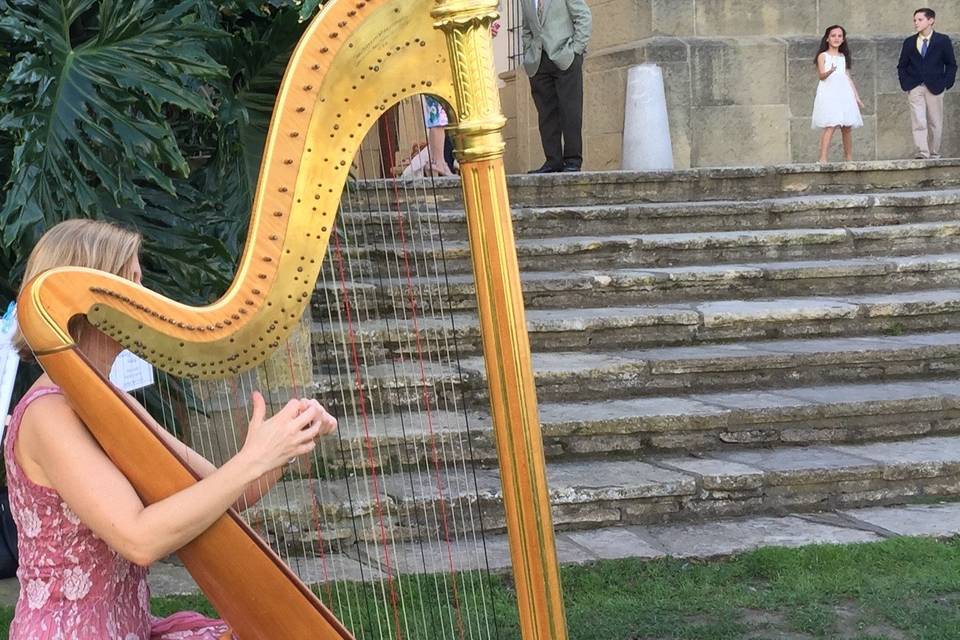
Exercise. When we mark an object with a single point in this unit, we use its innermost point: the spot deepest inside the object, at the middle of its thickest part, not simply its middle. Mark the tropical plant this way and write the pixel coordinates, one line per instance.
(147, 112)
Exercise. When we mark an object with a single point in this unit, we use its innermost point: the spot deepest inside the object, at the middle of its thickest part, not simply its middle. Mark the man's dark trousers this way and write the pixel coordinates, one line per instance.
(558, 96)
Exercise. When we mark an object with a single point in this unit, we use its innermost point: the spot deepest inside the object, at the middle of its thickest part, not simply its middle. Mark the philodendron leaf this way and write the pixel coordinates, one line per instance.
(84, 105)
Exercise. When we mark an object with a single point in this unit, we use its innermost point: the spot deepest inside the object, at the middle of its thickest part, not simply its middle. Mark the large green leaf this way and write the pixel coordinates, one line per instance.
(256, 57)
(86, 104)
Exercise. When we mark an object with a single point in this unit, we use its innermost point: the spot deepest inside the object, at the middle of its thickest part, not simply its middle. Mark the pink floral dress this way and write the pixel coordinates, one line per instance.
(72, 585)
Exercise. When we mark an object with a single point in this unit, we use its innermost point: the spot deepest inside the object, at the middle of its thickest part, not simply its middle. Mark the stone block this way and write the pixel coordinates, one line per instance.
(604, 101)
(602, 152)
(749, 17)
(881, 16)
(738, 72)
(941, 520)
(894, 140)
(888, 53)
(612, 543)
(674, 17)
(739, 135)
(735, 536)
(664, 50)
(618, 58)
(802, 86)
(864, 72)
(717, 474)
(802, 47)
(618, 22)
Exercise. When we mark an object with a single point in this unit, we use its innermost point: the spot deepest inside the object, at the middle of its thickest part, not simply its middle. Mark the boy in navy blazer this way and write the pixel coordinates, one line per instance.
(927, 68)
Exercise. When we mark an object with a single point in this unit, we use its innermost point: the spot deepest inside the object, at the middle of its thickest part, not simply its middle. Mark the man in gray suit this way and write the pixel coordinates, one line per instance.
(555, 35)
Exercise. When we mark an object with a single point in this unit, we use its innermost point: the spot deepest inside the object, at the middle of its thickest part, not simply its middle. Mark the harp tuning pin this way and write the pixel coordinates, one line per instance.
(342, 24)
(324, 49)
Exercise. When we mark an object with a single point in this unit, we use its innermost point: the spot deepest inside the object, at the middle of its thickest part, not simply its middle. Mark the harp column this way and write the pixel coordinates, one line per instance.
(479, 148)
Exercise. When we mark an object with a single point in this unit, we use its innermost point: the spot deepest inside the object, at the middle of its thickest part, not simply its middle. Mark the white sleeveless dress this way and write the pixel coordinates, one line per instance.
(836, 104)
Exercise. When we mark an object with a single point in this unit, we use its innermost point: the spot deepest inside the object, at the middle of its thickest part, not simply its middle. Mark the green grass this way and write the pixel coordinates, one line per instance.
(900, 588)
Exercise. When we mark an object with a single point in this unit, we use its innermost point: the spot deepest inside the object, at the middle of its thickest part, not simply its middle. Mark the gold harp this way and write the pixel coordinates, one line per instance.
(357, 59)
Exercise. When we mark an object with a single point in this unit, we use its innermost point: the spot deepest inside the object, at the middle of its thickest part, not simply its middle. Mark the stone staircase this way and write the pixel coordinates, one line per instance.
(706, 343)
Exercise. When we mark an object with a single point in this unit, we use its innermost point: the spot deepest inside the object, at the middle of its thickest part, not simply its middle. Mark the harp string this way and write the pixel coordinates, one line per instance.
(370, 529)
(452, 395)
(359, 231)
(422, 352)
(334, 374)
(362, 219)
(403, 326)
(429, 349)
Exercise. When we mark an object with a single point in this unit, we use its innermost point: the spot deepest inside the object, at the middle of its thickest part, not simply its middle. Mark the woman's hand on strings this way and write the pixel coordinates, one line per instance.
(288, 434)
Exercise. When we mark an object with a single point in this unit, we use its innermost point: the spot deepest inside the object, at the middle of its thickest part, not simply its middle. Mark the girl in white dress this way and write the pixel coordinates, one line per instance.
(837, 105)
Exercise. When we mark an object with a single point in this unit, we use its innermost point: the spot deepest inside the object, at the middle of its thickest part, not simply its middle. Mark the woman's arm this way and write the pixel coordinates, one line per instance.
(202, 467)
(822, 71)
(53, 438)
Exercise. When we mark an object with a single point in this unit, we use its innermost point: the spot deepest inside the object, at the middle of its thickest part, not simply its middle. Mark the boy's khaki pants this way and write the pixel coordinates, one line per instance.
(926, 115)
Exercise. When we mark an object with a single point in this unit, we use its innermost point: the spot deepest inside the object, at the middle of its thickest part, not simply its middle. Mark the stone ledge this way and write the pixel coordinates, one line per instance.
(713, 183)
(599, 493)
(811, 211)
(679, 284)
(688, 323)
(712, 248)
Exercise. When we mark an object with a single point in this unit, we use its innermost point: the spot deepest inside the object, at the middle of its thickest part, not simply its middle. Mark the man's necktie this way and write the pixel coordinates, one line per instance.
(540, 11)
(923, 48)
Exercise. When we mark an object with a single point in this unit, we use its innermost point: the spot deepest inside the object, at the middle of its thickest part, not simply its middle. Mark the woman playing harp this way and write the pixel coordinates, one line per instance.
(85, 537)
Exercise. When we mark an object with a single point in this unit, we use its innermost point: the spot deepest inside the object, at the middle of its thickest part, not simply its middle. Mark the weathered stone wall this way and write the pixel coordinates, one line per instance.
(739, 78)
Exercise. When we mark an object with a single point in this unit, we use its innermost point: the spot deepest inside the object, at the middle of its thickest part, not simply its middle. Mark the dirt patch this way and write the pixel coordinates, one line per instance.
(763, 618)
(853, 622)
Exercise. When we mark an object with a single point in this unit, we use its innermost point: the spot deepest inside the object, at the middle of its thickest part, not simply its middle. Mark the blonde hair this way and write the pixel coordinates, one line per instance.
(80, 243)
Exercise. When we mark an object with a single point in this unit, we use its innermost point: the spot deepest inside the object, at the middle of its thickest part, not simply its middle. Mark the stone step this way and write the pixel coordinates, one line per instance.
(574, 376)
(730, 420)
(700, 248)
(676, 324)
(798, 212)
(716, 539)
(618, 287)
(726, 183)
(611, 491)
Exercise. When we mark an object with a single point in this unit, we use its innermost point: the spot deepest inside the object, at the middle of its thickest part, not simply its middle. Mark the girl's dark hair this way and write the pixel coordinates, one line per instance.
(844, 48)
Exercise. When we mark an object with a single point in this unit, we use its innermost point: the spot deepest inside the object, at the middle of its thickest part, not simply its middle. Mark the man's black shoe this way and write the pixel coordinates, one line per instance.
(569, 168)
(547, 169)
